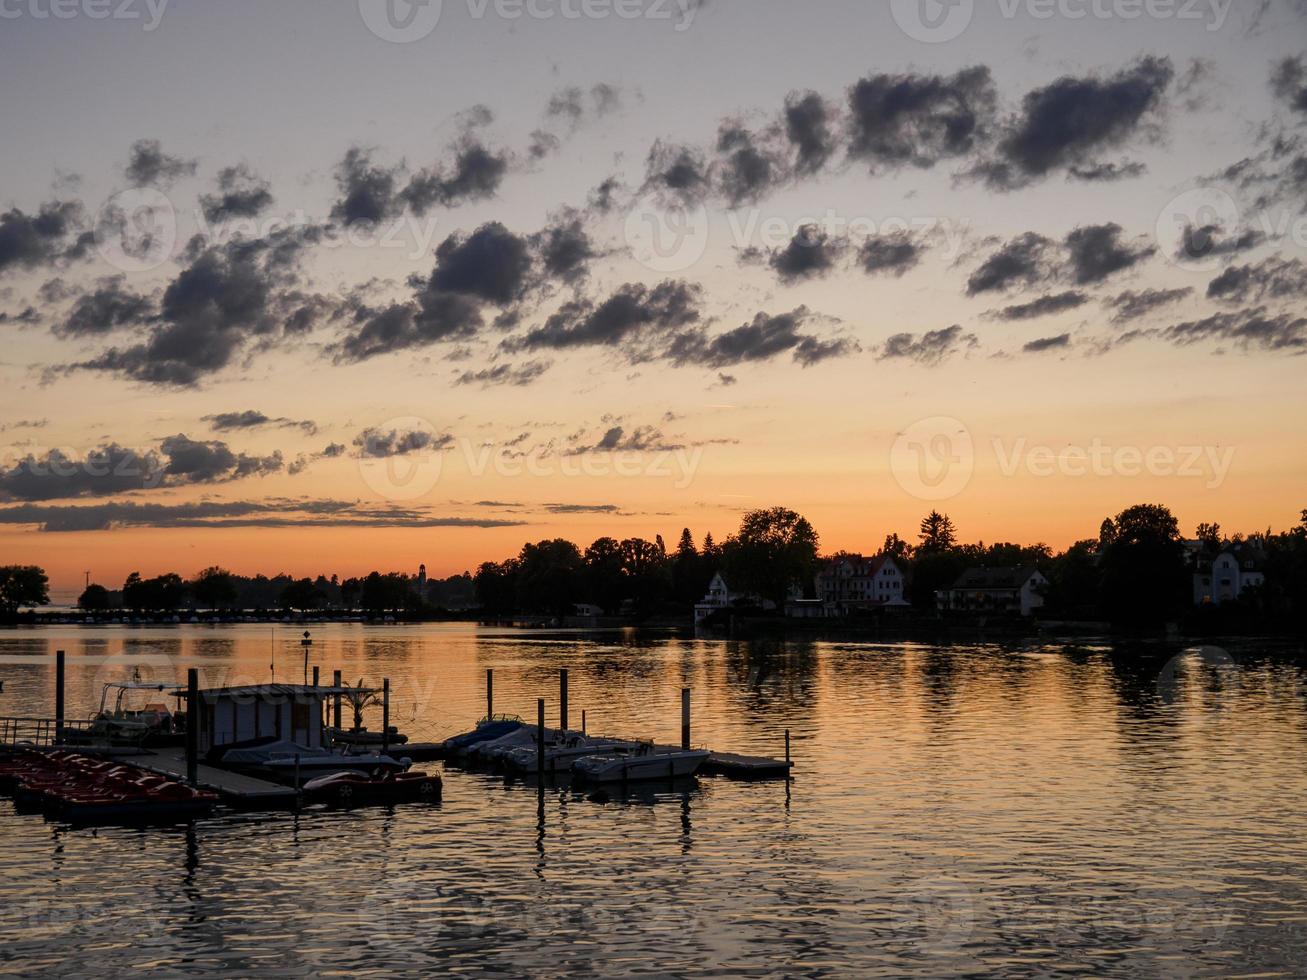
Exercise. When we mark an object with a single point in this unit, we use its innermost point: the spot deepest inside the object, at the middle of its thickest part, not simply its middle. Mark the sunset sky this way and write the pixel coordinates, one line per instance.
(317, 286)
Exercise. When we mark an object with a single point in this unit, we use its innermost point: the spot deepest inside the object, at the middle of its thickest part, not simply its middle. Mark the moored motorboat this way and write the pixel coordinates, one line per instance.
(357, 789)
(562, 754)
(644, 761)
(488, 729)
(284, 760)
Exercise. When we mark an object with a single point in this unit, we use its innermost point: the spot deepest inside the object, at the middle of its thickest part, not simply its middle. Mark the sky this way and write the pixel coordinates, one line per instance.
(332, 286)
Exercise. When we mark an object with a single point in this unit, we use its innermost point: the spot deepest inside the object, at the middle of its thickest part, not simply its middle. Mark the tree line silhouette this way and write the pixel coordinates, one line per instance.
(1138, 571)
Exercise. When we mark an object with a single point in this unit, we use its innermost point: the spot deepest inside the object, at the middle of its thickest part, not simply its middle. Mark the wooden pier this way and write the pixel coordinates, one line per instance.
(238, 791)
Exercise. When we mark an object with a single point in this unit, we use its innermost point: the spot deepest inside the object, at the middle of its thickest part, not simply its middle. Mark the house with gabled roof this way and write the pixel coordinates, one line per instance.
(996, 590)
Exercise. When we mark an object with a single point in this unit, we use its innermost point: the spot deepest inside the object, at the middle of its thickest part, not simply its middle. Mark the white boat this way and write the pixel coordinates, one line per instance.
(284, 758)
(561, 755)
(644, 761)
(495, 750)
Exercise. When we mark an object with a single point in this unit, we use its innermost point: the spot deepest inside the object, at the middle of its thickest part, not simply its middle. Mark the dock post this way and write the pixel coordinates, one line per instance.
(315, 675)
(490, 693)
(685, 718)
(787, 753)
(540, 738)
(582, 721)
(562, 699)
(58, 697)
(192, 725)
(385, 716)
(335, 707)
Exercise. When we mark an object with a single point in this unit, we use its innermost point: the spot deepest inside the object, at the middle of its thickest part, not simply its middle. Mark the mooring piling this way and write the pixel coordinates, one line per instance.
(335, 701)
(562, 699)
(540, 738)
(490, 693)
(58, 697)
(685, 718)
(192, 726)
(315, 675)
(583, 721)
(385, 716)
(787, 748)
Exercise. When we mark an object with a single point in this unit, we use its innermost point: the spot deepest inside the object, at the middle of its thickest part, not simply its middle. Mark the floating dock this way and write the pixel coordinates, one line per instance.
(238, 791)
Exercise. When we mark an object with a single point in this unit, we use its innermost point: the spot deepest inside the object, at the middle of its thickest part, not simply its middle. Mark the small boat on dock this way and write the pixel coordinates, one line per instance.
(487, 730)
(643, 761)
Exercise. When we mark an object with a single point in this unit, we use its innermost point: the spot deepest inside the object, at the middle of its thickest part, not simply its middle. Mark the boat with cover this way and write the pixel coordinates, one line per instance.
(283, 759)
(561, 754)
(644, 761)
(487, 730)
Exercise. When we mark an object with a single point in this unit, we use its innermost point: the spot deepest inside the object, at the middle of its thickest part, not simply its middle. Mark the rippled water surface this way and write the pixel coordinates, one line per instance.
(956, 810)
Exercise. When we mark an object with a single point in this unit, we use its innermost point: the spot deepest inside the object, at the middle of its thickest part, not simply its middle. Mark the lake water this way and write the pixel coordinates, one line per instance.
(971, 809)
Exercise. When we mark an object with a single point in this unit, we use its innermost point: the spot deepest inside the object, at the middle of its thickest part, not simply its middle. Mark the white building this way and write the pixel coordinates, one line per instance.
(996, 590)
(848, 583)
(1224, 577)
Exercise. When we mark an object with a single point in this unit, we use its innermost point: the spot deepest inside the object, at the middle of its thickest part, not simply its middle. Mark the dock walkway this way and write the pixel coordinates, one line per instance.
(235, 789)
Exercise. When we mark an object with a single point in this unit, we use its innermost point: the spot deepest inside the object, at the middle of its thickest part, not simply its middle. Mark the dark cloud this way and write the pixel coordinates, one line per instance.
(1247, 329)
(1097, 252)
(474, 175)
(811, 254)
(565, 248)
(1289, 82)
(575, 105)
(516, 375)
(103, 472)
(1044, 306)
(809, 125)
(1060, 342)
(149, 166)
(191, 461)
(274, 513)
(1200, 242)
(1107, 173)
(305, 460)
(27, 317)
(617, 439)
(893, 253)
(762, 339)
(746, 169)
(31, 241)
(491, 264)
(1023, 261)
(380, 444)
(112, 469)
(110, 306)
(930, 349)
(603, 199)
(1272, 278)
(252, 419)
(918, 120)
(678, 170)
(228, 296)
(582, 508)
(57, 291)
(368, 192)
(241, 194)
(1131, 305)
(1074, 119)
(634, 315)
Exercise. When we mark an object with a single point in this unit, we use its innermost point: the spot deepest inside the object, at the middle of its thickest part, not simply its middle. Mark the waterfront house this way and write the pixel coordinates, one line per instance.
(996, 590)
(852, 583)
(1224, 575)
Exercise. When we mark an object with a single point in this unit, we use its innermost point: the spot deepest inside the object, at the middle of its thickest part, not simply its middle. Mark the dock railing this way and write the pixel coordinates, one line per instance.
(36, 731)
